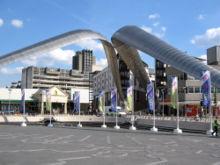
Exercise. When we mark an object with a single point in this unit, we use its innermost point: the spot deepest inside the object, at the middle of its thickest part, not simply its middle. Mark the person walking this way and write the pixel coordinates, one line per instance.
(215, 125)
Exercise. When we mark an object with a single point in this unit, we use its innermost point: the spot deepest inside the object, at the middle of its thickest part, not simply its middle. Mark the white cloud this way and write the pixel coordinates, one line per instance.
(204, 56)
(30, 61)
(150, 30)
(155, 24)
(154, 16)
(147, 29)
(12, 71)
(17, 23)
(210, 38)
(63, 56)
(103, 62)
(200, 17)
(56, 56)
(1, 22)
(90, 44)
(163, 28)
(159, 35)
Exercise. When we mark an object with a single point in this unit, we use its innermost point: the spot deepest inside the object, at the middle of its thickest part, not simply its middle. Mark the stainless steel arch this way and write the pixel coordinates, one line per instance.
(132, 59)
(64, 40)
(141, 40)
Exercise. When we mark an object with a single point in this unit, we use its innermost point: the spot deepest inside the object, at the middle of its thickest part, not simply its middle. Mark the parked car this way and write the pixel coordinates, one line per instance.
(109, 112)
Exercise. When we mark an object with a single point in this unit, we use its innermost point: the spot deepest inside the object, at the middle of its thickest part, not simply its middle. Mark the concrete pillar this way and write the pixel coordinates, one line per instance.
(42, 105)
(65, 108)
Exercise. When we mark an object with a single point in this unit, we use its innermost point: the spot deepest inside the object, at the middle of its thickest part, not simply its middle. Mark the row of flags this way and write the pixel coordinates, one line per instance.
(206, 90)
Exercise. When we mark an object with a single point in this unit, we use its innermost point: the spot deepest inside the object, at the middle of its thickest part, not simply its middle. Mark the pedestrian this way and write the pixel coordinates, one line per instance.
(215, 126)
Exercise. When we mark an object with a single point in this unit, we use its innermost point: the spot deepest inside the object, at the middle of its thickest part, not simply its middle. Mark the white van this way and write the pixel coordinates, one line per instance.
(109, 112)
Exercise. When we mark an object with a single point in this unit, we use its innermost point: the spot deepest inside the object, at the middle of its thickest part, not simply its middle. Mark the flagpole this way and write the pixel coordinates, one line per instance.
(116, 114)
(209, 132)
(154, 129)
(50, 124)
(104, 125)
(177, 130)
(23, 124)
(79, 124)
(132, 127)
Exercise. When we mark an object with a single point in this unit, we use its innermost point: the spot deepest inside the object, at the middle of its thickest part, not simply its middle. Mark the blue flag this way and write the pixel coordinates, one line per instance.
(150, 95)
(23, 99)
(113, 99)
(206, 88)
(76, 100)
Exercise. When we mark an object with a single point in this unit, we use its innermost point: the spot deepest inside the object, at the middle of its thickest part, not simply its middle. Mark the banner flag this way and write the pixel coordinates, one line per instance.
(206, 88)
(76, 100)
(101, 101)
(150, 95)
(113, 99)
(23, 99)
(48, 100)
(174, 92)
(130, 99)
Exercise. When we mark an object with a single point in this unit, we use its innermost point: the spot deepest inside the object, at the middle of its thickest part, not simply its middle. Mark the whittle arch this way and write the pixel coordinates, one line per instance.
(64, 40)
(129, 39)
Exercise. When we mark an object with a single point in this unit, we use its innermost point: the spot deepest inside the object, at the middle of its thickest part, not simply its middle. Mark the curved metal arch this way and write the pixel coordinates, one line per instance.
(64, 40)
(132, 59)
(141, 40)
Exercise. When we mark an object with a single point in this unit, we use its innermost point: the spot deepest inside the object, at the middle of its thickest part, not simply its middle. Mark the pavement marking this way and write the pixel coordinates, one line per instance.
(59, 138)
(58, 151)
(196, 140)
(85, 138)
(216, 156)
(108, 139)
(162, 160)
(64, 160)
(198, 152)
(135, 140)
(41, 137)
(170, 143)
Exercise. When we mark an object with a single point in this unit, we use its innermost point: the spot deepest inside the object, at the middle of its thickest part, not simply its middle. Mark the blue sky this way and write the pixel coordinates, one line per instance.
(190, 25)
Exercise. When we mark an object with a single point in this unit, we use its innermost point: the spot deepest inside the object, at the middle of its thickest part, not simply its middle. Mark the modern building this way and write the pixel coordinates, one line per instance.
(103, 81)
(84, 65)
(83, 61)
(190, 95)
(44, 78)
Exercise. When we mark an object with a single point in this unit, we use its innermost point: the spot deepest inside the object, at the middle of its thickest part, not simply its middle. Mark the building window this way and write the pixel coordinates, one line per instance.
(190, 90)
(197, 89)
(212, 90)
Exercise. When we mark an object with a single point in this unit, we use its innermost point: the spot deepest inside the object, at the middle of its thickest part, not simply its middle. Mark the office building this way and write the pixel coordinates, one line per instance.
(103, 81)
(190, 95)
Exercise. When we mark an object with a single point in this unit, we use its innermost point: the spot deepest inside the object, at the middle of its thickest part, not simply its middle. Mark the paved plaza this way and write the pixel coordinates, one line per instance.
(38, 145)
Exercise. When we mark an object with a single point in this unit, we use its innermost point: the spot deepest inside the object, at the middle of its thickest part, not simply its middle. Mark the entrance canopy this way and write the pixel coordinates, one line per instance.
(57, 95)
